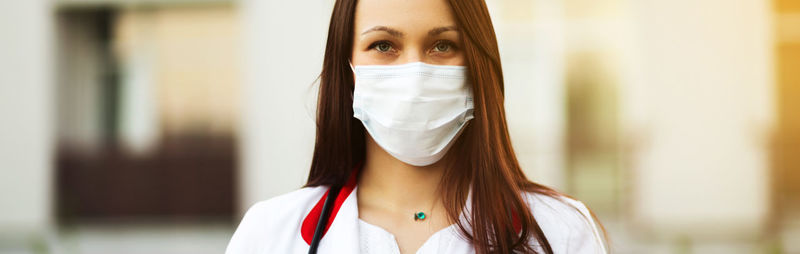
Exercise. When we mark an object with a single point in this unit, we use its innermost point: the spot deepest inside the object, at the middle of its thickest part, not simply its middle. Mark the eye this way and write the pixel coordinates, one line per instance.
(442, 46)
(381, 46)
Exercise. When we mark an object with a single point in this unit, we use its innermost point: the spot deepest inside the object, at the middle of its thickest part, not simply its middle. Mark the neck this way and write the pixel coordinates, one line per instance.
(391, 184)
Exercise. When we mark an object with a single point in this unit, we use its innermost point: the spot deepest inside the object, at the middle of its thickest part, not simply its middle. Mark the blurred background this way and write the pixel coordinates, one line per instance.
(150, 126)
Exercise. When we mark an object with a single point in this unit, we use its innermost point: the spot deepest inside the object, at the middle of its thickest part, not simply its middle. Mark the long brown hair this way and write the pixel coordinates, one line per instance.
(484, 159)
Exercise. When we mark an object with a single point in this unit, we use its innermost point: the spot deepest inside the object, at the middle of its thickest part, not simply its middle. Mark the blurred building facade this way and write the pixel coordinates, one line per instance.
(147, 100)
(676, 121)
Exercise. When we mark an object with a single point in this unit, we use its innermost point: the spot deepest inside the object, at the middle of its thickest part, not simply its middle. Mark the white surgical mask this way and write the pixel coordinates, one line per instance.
(413, 111)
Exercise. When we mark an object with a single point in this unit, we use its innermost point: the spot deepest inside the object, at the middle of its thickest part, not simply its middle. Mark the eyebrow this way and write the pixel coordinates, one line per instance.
(389, 30)
(396, 33)
(442, 29)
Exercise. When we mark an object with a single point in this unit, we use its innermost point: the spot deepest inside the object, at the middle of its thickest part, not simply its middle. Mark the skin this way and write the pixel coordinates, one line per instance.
(393, 32)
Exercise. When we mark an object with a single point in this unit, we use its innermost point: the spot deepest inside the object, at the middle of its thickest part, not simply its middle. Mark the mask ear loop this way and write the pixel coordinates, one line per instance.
(353, 69)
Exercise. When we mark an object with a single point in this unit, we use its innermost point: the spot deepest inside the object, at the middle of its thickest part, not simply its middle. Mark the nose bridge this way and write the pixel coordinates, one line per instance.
(414, 53)
(413, 56)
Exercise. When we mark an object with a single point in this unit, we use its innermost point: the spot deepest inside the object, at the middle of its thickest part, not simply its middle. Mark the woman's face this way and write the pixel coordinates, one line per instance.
(391, 32)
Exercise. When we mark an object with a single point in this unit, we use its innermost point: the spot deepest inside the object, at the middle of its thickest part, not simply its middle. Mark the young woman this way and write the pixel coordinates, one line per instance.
(412, 150)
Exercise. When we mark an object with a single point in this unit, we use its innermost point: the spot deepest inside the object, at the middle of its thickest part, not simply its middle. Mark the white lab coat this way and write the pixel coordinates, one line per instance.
(274, 226)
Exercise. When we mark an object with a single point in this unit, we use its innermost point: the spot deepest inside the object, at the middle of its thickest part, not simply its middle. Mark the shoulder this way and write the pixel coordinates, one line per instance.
(291, 203)
(567, 223)
(272, 221)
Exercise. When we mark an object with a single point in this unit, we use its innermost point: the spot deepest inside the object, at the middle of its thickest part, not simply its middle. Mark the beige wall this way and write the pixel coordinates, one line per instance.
(531, 39)
(26, 113)
(285, 42)
(702, 105)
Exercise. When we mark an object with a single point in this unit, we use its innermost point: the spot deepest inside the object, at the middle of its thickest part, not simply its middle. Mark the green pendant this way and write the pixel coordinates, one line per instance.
(419, 216)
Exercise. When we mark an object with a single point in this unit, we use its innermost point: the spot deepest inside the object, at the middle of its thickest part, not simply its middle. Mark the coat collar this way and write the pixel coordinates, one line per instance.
(313, 217)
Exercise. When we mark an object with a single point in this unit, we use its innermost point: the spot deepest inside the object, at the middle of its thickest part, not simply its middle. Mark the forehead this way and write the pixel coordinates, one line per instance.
(408, 16)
